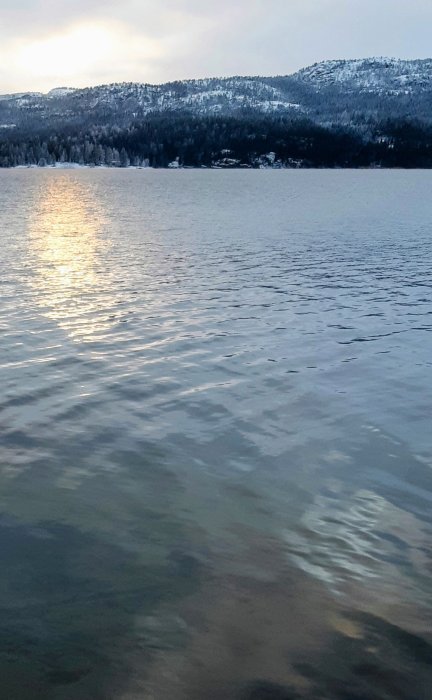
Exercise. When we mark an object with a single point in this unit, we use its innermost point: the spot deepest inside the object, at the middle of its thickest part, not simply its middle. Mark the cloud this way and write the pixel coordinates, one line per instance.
(168, 39)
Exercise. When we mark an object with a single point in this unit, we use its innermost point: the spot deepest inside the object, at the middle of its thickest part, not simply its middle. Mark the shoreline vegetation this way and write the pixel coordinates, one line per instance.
(222, 143)
(77, 166)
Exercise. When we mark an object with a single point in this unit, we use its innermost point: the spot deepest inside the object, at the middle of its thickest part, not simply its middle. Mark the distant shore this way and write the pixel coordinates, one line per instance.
(78, 166)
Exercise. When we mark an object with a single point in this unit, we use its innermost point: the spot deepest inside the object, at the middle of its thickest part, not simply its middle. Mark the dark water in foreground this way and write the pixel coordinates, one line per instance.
(216, 444)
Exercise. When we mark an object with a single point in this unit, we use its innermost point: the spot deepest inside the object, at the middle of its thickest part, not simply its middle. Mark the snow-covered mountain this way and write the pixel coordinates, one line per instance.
(211, 96)
(125, 102)
(329, 92)
(380, 76)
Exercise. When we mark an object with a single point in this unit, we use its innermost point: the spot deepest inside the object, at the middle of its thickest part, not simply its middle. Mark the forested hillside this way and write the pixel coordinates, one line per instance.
(369, 113)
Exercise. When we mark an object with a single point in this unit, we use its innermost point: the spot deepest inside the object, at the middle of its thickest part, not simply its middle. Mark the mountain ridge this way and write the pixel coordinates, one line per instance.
(359, 112)
(307, 70)
(327, 92)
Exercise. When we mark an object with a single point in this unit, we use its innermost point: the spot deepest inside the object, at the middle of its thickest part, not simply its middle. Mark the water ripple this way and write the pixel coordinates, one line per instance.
(214, 385)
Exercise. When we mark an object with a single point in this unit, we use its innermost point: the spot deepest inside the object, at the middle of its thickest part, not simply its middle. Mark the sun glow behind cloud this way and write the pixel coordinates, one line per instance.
(77, 51)
(80, 55)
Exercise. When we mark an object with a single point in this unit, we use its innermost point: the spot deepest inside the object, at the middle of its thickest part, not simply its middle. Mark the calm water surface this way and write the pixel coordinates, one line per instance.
(216, 439)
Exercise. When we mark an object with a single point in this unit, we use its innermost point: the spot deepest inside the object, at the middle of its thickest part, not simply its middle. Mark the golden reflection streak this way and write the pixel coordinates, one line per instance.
(66, 239)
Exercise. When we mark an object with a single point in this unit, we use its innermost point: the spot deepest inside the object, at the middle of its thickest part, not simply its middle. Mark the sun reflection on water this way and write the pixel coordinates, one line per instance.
(68, 240)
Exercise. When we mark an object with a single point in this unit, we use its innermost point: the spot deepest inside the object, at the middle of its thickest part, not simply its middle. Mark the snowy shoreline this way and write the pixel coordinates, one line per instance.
(78, 166)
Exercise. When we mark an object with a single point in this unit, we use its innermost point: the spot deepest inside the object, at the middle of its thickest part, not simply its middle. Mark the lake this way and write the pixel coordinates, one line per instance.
(216, 439)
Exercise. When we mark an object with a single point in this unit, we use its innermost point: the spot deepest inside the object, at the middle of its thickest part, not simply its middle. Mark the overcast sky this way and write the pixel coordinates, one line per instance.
(48, 43)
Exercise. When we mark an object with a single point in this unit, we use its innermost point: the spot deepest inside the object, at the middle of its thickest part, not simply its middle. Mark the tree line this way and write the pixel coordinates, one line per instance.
(242, 141)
